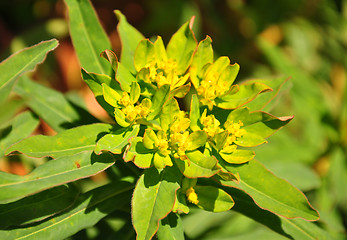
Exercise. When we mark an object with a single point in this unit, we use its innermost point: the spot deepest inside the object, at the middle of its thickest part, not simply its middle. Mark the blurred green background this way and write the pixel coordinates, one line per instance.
(303, 40)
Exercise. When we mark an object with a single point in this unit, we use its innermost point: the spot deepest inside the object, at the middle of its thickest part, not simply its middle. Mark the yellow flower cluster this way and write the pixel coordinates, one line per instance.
(179, 135)
(212, 127)
(210, 88)
(132, 112)
(192, 196)
(165, 72)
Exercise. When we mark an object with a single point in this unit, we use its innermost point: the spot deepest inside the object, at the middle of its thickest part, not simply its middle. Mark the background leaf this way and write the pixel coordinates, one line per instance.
(272, 193)
(21, 62)
(37, 207)
(69, 142)
(22, 126)
(53, 173)
(90, 208)
(88, 37)
(52, 106)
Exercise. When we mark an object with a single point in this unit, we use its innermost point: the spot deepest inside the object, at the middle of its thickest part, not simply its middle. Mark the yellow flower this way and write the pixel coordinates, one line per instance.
(162, 143)
(210, 124)
(165, 72)
(192, 196)
(234, 131)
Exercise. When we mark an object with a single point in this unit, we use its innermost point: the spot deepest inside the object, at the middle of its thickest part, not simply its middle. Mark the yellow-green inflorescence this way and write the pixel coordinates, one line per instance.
(212, 127)
(165, 72)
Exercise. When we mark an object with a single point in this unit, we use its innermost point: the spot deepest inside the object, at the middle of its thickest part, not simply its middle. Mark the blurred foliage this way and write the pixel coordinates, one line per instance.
(304, 40)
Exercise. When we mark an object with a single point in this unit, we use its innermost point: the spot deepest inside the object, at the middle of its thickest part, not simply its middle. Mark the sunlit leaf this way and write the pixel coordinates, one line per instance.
(90, 208)
(52, 173)
(69, 142)
(153, 199)
(21, 62)
(88, 36)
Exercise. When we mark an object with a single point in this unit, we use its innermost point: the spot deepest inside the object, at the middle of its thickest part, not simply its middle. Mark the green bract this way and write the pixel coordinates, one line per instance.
(183, 153)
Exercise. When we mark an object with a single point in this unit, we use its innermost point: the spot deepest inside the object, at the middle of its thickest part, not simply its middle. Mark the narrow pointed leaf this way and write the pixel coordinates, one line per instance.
(21, 62)
(278, 86)
(22, 126)
(153, 199)
(69, 142)
(130, 38)
(272, 193)
(50, 105)
(53, 173)
(144, 54)
(258, 125)
(202, 56)
(37, 207)
(290, 228)
(116, 141)
(88, 36)
(181, 47)
(89, 209)
(246, 93)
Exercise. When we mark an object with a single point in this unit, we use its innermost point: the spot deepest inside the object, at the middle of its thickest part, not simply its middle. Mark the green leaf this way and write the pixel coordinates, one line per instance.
(290, 228)
(22, 126)
(53, 173)
(197, 139)
(144, 54)
(264, 99)
(111, 96)
(130, 39)
(258, 125)
(136, 152)
(111, 58)
(238, 156)
(213, 199)
(52, 106)
(69, 142)
(194, 113)
(169, 112)
(116, 141)
(125, 77)
(171, 228)
(135, 92)
(153, 199)
(94, 82)
(272, 193)
(90, 208)
(21, 62)
(159, 49)
(37, 207)
(198, 165)
(202, 56)
(158, 101)
(88, 36)
(181, 47)
(241, 94)
(149, 138)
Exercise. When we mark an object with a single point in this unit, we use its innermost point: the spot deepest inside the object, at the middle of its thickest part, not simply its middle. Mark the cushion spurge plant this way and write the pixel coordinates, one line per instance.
(185, 130)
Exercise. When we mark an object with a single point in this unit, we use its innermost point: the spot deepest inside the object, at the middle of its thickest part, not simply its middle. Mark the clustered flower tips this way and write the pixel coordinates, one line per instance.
(164, 72)
(192, 196)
